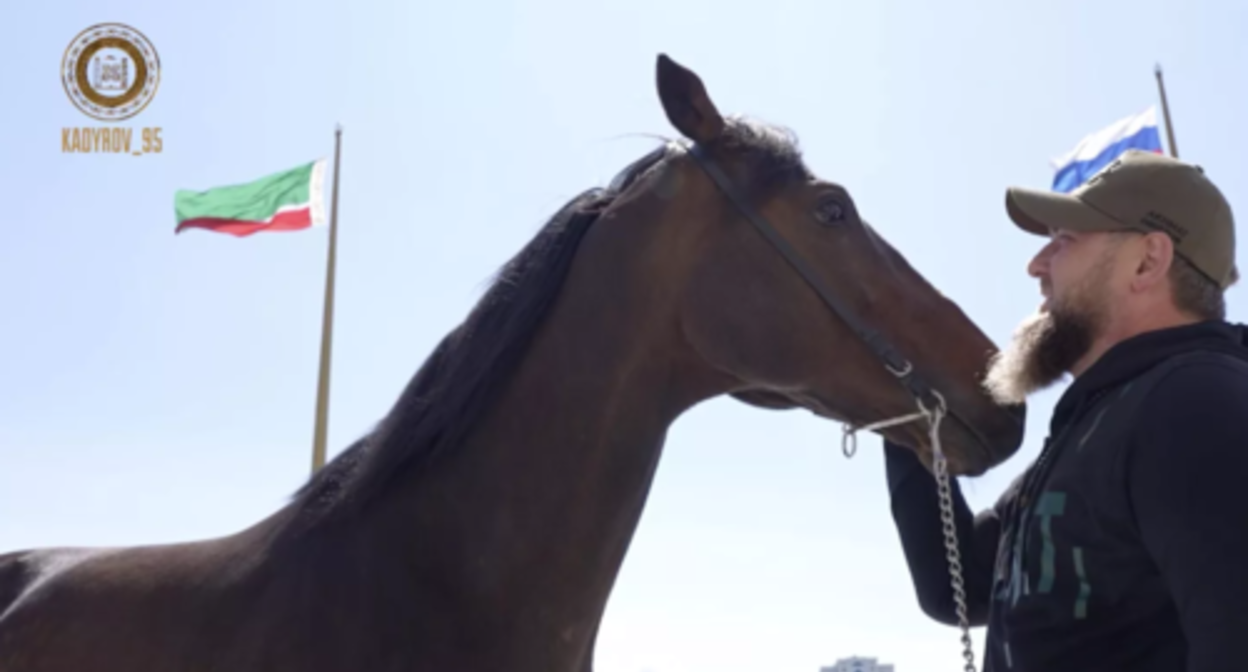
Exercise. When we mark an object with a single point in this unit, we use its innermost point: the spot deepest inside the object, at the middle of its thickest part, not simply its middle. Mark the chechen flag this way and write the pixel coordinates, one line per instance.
(285, 201)
(1099, 149)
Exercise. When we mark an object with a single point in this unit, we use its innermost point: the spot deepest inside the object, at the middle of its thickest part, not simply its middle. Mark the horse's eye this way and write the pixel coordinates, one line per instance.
(829, 211)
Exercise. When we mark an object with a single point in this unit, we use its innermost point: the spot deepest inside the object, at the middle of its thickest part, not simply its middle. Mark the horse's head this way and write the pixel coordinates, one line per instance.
(748, 312)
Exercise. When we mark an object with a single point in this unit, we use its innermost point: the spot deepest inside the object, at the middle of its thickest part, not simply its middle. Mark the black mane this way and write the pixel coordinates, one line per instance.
(465, 372)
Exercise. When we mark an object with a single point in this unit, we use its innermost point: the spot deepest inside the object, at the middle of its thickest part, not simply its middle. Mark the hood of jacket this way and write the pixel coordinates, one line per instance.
(1133, 356)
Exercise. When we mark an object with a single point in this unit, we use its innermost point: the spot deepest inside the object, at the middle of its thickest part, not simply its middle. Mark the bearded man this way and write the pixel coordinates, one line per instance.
(1124, 546)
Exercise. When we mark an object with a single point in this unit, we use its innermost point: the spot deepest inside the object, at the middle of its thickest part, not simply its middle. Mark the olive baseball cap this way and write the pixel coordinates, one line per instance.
(1141, 191)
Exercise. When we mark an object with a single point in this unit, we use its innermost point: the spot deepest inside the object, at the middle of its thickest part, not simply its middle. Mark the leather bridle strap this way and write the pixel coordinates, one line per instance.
(893, 361)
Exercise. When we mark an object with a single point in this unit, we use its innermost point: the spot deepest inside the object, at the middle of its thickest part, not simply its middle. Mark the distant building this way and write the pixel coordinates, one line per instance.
(857, 664)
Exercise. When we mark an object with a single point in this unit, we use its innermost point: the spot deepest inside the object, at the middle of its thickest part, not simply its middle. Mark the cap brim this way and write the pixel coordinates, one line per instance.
(1040, 212)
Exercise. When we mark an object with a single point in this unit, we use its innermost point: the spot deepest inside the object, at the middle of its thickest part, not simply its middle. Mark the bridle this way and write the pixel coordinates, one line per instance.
(931, 404)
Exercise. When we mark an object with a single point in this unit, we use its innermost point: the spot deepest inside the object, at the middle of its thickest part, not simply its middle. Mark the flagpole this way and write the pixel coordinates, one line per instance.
(1165, 111)
(327, 325)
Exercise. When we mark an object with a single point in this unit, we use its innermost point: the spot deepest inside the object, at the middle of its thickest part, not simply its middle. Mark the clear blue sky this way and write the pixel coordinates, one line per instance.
(157, 388)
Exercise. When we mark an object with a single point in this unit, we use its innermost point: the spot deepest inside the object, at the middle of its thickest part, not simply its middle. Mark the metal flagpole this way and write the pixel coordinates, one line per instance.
(327, 326)
(1165, 111)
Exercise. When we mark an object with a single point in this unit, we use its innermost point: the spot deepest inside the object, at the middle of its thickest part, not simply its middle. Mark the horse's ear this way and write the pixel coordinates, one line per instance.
(685, 101)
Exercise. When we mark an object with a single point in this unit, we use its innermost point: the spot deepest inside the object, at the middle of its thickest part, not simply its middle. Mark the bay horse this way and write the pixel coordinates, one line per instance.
(481, 523)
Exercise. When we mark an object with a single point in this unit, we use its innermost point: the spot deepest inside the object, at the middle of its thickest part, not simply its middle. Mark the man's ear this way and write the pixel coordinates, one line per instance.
(686, 103)
(1155, 261)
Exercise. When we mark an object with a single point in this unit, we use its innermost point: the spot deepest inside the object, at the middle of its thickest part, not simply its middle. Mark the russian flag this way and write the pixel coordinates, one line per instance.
(1097, 150)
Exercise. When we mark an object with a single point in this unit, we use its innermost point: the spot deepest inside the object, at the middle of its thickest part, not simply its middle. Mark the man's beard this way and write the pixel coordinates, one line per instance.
(1045, 347)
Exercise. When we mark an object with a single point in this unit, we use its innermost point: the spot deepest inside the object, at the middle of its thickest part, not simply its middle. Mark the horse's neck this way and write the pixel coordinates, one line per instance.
(529, 519)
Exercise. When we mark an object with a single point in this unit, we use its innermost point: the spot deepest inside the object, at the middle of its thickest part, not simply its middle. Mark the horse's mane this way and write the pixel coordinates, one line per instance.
(466, 371)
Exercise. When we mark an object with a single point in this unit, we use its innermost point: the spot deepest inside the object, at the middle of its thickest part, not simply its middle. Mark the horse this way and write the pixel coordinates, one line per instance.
(481, 523)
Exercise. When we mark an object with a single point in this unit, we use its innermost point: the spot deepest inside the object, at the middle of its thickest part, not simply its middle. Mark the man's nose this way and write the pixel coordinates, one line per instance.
(1039, 264)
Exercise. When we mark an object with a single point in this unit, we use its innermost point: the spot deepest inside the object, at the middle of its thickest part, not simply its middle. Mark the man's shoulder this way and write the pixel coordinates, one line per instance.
(1191, 421)
(1201, 367)
(1199, 382)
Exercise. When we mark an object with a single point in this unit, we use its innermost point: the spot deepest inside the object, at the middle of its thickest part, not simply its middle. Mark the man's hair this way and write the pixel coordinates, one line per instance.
(1193, 292)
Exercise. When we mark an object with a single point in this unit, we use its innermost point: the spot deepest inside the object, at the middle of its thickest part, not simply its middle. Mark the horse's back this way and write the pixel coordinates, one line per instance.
(14, 576)
(22, 572)
(90, 609)
(26, 579)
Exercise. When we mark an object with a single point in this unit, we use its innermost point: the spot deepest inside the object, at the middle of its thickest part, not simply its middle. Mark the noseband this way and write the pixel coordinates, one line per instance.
(931, 405)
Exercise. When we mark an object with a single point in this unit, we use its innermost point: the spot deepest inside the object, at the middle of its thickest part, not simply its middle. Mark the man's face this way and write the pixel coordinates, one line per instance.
(1077, 280)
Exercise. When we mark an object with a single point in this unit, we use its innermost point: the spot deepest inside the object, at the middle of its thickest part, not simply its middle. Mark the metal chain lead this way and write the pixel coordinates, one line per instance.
(952, 554)
(940, 467)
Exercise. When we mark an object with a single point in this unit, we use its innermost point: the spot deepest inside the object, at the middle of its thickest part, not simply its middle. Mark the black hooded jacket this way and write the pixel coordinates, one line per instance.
(1125, 545)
